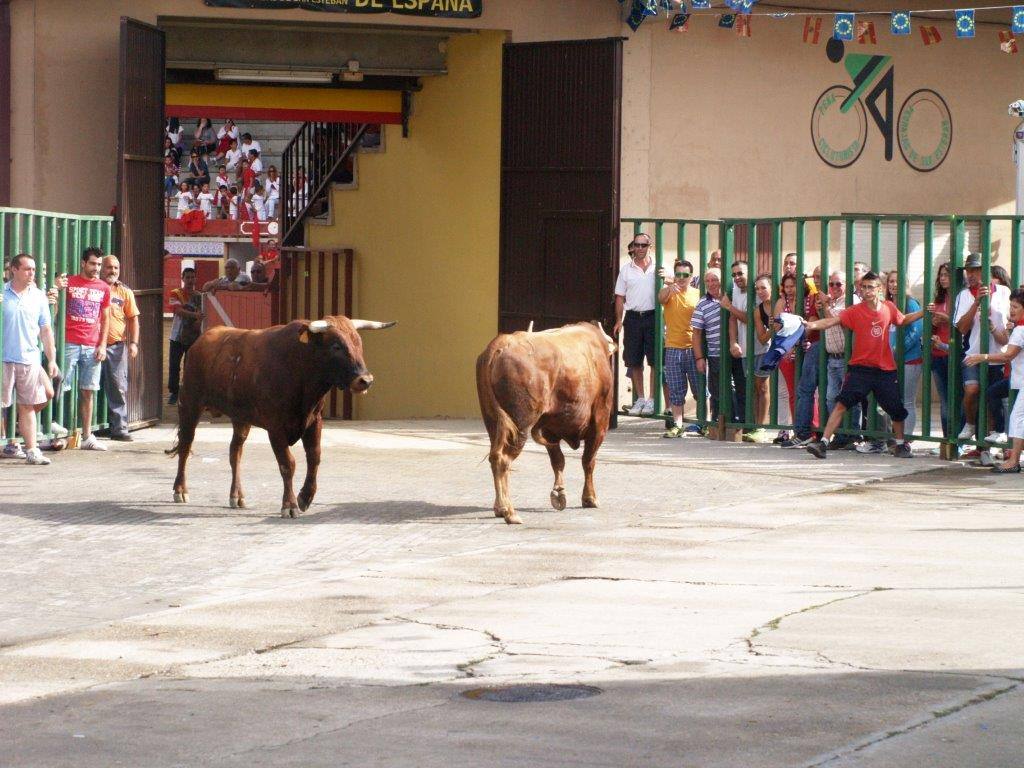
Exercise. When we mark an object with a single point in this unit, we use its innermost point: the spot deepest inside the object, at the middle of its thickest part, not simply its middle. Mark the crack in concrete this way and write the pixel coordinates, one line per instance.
(774, 624)
(933, 717)
(466, 667)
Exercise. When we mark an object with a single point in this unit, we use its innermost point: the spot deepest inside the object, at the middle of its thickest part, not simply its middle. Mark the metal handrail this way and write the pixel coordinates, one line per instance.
(317, 151)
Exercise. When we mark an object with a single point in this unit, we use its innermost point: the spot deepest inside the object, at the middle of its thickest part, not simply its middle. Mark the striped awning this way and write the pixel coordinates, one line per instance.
(284, 103)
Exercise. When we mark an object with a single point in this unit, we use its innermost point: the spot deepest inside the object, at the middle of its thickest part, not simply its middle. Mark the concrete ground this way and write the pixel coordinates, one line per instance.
(735, 605)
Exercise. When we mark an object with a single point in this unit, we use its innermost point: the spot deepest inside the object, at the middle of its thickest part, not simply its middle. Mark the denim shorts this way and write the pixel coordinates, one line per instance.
(82, 359)
(972, 373)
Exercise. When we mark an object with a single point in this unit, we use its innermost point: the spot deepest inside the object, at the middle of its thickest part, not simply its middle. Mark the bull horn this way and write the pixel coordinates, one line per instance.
(529, 328)
(319, 326)
(371, 325)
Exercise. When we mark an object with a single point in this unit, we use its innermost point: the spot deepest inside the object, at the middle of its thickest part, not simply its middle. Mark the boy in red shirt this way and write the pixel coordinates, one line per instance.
(85, 326)
(871, 368)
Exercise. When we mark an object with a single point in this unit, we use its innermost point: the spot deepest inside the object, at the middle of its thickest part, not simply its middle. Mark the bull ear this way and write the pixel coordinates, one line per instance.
(371, 325)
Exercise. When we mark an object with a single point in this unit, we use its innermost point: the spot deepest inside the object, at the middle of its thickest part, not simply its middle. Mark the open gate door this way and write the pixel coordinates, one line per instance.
(140, 212)
(561, 119)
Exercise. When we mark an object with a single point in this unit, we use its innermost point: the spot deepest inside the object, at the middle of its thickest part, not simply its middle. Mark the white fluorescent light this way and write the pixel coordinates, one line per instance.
(273, 76)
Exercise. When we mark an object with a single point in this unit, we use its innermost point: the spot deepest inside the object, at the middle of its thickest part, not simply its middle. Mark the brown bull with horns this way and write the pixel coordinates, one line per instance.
(554, 385)
(277, 379)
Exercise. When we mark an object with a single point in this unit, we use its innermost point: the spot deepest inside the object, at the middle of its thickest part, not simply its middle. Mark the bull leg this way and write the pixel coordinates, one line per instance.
(286, 464)
(590, 446)
(188, 418)
(500, 465)
(558, 465)
(237, 497)
(311, 443)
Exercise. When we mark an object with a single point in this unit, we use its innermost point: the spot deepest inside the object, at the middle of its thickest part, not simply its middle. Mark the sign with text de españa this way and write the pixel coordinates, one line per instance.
(446, 9)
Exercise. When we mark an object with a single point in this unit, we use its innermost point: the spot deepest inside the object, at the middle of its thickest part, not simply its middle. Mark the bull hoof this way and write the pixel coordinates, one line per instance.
(289, 512)
(304, 502)
(512, 519)
(498, 512)
(590, 503)
(238, 503)
(180, 498)
(558, 499)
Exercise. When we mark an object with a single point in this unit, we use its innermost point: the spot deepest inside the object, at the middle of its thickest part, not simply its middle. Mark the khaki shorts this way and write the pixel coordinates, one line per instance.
(27, 381)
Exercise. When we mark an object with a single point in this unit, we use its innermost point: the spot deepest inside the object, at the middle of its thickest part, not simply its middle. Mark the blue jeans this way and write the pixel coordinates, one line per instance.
(836, 374)
(940, 374)
(805, 391)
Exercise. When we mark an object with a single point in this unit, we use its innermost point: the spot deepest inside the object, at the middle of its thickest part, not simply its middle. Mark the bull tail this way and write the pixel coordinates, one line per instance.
(173, 450)
(506, 437)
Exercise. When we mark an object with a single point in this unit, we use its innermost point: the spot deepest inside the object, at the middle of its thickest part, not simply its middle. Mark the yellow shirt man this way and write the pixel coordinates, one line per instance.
(678, 312)
(122, 307)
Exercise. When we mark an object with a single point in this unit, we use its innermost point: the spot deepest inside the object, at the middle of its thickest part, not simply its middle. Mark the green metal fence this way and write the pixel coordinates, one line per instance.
(56, 242)
(884, 243)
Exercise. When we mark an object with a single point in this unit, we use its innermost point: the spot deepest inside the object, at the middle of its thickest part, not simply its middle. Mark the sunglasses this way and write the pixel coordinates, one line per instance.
(833, 284)
(682, 274)
(737, 274)
(641, 245)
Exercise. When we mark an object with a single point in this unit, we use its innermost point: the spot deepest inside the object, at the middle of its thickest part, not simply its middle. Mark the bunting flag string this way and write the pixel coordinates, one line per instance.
(846, 26)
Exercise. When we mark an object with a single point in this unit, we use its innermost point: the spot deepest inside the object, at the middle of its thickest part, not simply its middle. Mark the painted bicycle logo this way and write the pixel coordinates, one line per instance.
(923, 129)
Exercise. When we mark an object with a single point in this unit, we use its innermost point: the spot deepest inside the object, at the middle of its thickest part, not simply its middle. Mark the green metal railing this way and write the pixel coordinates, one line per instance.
(837, 237)
(56, 242)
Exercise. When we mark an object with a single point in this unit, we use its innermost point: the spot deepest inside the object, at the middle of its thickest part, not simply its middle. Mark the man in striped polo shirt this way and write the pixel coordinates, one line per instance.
(707, 344)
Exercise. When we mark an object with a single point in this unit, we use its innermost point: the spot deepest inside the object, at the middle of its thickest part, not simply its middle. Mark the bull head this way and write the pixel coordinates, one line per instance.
(338, 339)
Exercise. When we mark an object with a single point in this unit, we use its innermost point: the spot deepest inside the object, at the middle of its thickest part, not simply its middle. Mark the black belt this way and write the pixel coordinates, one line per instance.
(638, 313)
(837, 355)
(114, 344)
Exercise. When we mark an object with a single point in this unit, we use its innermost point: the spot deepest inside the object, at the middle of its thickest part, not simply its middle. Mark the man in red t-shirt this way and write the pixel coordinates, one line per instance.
(85, 334)
(871, 368)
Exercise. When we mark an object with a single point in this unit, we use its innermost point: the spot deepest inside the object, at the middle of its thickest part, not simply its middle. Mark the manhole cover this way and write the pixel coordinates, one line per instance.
(530, 693)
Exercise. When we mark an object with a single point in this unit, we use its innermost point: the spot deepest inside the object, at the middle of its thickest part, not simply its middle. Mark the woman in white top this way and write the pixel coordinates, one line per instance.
(1015, 425)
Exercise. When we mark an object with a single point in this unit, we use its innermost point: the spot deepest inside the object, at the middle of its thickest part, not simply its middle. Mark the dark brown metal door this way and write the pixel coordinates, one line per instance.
(140, 211)
(561, 119)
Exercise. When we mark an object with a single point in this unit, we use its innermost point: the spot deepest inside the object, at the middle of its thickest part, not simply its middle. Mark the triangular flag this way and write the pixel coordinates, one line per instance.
(843, 27)
(930, 35)
(964, 22)
(727, 20)
(743, 25)
(812, 29)
(866, 33)
(680, 23)
(1007, 42)
(1017, 22)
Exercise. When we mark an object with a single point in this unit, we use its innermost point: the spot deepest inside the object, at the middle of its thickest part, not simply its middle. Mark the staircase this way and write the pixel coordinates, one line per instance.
(317, 156)
(273, 139)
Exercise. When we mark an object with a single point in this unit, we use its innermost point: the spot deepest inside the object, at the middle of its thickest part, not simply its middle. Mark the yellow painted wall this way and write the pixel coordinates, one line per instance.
(424, 227)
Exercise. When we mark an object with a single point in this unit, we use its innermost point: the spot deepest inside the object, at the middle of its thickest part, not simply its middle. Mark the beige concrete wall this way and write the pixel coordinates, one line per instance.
(66, 66)
(730, 122)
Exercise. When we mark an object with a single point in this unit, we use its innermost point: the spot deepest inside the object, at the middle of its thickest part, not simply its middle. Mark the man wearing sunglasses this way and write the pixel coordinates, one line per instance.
(679, 299)
(634, 313)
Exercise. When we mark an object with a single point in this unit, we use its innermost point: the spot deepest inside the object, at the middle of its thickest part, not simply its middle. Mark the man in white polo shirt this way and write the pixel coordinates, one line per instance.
(634, 312)
(26, 316)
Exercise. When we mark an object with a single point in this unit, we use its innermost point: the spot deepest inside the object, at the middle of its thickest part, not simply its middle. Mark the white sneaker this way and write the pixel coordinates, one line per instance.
(995, 437)
(986, 459)
(58, 430)
(13, 451)
(967, 432)
(91, 444)
(35, 456)
(637, 407)
(648, 409)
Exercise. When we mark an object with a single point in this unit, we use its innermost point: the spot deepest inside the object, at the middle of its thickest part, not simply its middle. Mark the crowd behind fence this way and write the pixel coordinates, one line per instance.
(915, 247)
(56, 242)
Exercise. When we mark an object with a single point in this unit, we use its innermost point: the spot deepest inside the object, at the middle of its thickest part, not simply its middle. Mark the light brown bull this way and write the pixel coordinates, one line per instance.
(554, 386)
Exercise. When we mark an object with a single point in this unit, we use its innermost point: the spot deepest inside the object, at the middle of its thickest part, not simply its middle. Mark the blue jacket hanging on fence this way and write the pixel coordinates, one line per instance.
(789, 332)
